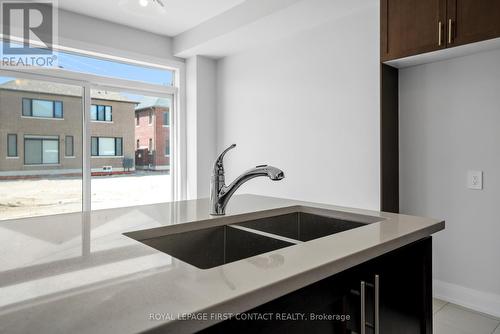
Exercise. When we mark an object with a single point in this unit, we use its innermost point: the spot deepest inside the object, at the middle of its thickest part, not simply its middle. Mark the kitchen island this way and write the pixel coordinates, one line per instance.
(95, 272)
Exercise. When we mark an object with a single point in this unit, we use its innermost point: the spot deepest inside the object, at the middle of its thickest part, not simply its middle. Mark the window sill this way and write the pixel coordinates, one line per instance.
(43, 165)
(12, 158)
(166, 126)
(43, 118)
(107, 122)
(69, 157)
(107, 156)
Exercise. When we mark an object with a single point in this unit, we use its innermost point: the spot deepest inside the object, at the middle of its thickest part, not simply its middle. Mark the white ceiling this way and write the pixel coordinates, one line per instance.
(176, 17)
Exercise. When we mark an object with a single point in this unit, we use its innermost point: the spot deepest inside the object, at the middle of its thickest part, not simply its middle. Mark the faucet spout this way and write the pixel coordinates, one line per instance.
(220, 193)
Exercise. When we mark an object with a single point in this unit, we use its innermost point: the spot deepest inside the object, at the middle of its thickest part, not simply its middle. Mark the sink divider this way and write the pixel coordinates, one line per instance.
(266, 234)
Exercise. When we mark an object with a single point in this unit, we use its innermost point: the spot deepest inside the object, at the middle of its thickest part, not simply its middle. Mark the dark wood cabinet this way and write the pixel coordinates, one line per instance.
(392, 292)
(472, 21)
(412, 27)
(398, 292)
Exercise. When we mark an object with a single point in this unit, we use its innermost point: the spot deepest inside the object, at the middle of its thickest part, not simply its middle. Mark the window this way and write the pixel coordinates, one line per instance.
(42, 108)
(167, 148)
(41, 150)
(150, 144)
(138, 144)
(101, 113)
(119, 146)
(69, 151)
(166, 118)
(12, 145)
(59, 104)
(107, 147)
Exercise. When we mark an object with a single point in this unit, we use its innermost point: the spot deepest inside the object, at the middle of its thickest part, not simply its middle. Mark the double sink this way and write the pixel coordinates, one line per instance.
(214, 246)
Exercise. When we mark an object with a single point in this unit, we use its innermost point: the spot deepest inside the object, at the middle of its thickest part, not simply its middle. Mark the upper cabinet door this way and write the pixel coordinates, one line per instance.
(410, 27)
(472, 21)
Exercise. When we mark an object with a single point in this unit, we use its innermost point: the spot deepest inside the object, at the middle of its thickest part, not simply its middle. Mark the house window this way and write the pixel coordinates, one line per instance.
(166, 118)
(101, 113)
(137, 120)
(12, 145)
(107, 147)
(150, 117)
(167, 148)
(119, 146)
(42, 108)
(150, 144)
(41, 150)
(69, 150)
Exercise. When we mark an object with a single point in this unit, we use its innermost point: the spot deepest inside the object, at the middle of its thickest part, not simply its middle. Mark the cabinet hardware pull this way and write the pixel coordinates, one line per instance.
(363, 308)
(377, 304)
(440, 33)
(450, 25)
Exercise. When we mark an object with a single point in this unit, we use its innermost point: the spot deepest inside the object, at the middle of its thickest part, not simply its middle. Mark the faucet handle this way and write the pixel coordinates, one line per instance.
(218, 166)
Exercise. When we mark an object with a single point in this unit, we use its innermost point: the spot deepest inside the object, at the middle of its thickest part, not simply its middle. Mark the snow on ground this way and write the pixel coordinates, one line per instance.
(38, 197)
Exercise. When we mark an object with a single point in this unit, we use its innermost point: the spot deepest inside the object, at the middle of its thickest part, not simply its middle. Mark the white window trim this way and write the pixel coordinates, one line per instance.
(107, 156)
(43, 118)
(12, 158)
(107, 122)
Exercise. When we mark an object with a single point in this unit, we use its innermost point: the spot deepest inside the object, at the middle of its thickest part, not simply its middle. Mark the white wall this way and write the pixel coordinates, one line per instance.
(450, 123)
(201, 124)
(309, 105)
(92, 34)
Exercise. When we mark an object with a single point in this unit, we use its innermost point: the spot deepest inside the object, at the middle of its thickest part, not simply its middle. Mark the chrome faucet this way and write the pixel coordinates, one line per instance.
(220, 193)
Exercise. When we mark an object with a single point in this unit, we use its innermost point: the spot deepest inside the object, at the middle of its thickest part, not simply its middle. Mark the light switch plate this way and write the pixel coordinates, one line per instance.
(475, 179)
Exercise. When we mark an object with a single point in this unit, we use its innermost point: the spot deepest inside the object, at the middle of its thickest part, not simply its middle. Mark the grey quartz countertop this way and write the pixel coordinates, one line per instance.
(78, 273)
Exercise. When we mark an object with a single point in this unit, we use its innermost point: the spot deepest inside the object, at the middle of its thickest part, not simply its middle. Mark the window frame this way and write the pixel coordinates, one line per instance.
(116, 139)
(66, 146)
(30, 115)
(9, 135)
(177, 92)
(104, 106)
(167, 148)
(42, 139)
(168, 118)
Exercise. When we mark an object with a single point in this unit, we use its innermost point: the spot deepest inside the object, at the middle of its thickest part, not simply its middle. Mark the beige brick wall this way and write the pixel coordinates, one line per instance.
(12, 122)
(123, 125)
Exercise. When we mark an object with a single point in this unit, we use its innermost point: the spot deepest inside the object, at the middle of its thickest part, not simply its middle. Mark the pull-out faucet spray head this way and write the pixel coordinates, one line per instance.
(220, 193)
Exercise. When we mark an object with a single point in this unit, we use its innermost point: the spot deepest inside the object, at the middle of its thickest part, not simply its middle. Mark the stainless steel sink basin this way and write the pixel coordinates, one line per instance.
(215, 246)
(301, 226)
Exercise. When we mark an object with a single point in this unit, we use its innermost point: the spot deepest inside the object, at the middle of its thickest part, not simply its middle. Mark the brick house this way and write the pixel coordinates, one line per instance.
(152, 134)
(41, 129)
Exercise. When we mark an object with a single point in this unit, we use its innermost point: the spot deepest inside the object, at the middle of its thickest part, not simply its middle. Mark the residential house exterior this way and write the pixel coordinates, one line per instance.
(41, 129)
(152, 134)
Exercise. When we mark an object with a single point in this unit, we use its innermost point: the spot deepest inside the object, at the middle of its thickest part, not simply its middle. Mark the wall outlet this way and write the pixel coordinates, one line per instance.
(475, 179)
